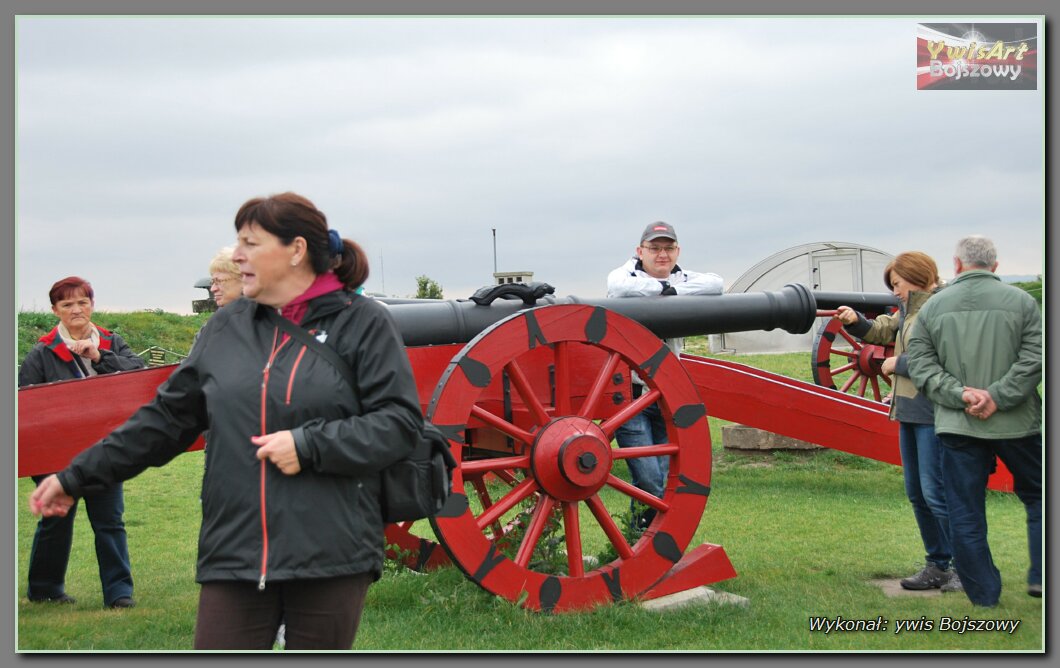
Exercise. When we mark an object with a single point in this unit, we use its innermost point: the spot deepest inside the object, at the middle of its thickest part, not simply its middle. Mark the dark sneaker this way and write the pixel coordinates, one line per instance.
(930, 577)
(123, 602)
(61, 598)
(953, 584)
(1034, 590)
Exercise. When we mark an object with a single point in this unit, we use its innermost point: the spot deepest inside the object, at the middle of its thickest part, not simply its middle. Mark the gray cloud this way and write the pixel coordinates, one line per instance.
(138, 138)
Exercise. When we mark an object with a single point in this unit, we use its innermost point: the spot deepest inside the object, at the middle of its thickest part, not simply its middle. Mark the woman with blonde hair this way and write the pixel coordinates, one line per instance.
(226, 284)
(913, 277)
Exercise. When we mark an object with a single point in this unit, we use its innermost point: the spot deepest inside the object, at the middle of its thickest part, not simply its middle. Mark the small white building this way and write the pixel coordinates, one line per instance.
(502, 277)
(833, 266)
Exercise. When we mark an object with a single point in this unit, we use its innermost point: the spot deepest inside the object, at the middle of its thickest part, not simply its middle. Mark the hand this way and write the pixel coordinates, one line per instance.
(887, 368)
(85, 348)
(978, 403)
(846, 315)
(278, 448)
(49, 499)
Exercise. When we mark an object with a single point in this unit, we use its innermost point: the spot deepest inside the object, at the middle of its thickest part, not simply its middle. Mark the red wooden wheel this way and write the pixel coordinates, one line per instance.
(563, 464)
(856, 368)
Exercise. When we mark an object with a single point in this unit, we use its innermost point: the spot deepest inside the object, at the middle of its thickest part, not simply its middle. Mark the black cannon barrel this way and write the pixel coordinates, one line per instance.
(792, 308)
(876, 302)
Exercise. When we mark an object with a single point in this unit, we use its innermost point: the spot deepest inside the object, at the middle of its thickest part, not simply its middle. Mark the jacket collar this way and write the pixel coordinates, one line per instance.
(972, 274)
(53, 342)
(639, 266)
(916, 300)
(319, 307)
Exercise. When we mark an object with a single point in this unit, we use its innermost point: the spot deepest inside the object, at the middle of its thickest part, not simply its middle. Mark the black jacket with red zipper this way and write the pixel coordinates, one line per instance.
(244, 378)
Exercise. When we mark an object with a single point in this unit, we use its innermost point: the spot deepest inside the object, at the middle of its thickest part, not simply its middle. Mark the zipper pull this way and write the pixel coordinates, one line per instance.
(261, 583)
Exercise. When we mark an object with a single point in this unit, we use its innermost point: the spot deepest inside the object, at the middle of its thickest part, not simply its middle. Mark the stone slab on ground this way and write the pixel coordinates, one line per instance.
(740, 437)
(696, 596)
(893, 588)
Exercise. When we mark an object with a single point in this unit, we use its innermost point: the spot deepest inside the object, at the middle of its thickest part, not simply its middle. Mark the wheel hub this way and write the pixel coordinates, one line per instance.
(870, 360)
(571, 458)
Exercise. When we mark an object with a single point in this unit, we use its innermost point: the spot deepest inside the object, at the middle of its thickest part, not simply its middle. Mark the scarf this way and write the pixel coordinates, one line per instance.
(296, 309)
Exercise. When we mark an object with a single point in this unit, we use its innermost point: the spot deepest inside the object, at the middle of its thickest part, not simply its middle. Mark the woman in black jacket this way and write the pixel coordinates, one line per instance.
(291, 525)
(77, 348)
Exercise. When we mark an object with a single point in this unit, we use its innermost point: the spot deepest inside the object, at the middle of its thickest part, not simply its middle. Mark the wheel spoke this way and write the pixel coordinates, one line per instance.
(850, 355)
(573, 537)
(563, 380)
(632, 409)
(861, 385)
(844, 368)
(850, 382)
(647, 498)
(876, 389)
(599, 385)
(850, 339)
(487, 502)
(507, 477)
(534, 531)
(611, 530)
(506, 503)
(638, 451)
(493, 464)
(522, 386)
(502, 425)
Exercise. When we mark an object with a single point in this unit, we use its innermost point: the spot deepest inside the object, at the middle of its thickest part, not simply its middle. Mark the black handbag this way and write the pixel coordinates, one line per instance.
(412, 488)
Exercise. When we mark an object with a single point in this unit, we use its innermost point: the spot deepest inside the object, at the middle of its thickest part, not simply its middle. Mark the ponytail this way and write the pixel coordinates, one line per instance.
(352, 267)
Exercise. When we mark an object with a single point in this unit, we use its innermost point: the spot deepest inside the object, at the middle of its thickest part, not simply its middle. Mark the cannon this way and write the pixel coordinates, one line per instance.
(529, 390)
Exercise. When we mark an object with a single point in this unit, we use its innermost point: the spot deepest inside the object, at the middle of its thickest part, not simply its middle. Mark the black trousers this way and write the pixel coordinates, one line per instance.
(319, 614)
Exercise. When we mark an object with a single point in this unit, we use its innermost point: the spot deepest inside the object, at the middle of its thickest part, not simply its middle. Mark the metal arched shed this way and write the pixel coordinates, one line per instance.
(835, 266)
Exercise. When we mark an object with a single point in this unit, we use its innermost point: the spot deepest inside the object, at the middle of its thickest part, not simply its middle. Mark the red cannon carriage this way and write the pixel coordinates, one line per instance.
(529, 389)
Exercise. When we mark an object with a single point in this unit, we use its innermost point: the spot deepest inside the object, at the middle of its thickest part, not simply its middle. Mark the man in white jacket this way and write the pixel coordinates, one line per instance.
(653, 270)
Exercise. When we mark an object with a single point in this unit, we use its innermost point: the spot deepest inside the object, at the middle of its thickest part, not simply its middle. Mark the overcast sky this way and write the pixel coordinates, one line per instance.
(139, 138)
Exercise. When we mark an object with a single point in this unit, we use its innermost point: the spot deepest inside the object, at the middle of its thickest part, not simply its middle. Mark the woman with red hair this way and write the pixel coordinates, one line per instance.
(913, 277)
(76, 348)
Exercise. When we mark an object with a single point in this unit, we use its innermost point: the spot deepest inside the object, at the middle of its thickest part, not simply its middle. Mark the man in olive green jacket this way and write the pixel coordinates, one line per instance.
(976, 352)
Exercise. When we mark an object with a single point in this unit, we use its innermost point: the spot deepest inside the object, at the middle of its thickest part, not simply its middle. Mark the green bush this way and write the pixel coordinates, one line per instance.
(1033, 288)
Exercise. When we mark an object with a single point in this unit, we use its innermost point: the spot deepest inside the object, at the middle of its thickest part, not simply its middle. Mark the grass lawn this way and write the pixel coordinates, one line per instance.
(805, 532)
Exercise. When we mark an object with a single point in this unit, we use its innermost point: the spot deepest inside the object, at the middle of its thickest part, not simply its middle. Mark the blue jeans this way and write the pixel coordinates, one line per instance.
(922, 468)
(50, 553)
(966, 464)
(646, 428)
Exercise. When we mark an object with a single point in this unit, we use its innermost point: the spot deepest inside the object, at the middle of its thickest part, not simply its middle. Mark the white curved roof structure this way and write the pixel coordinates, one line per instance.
(834, 266)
